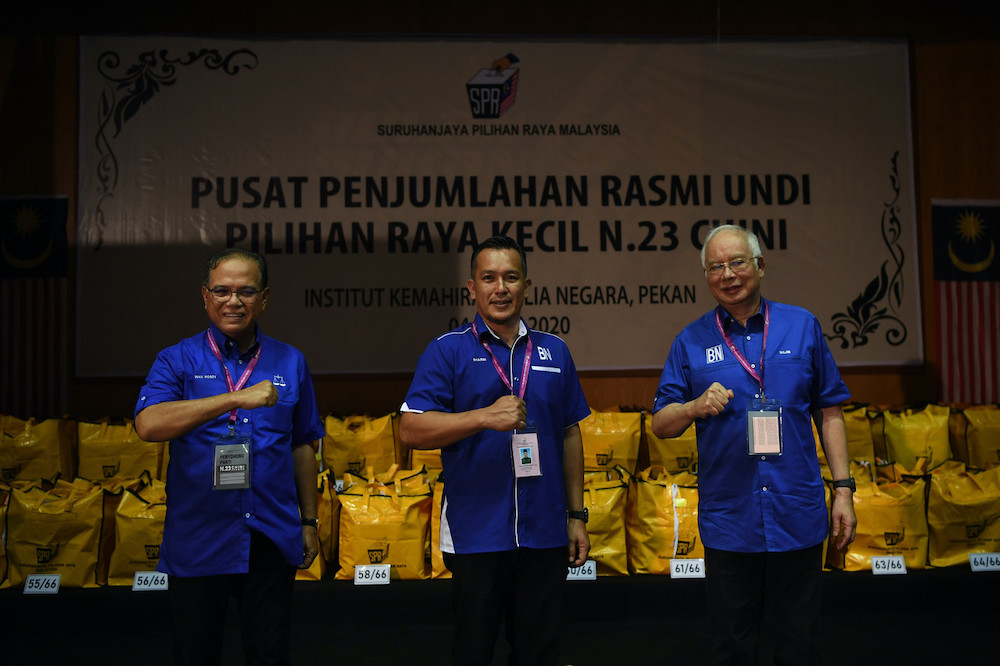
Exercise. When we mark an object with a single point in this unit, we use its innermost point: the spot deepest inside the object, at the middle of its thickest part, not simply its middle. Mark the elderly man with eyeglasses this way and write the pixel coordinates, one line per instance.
(240, 412)
(752, 374)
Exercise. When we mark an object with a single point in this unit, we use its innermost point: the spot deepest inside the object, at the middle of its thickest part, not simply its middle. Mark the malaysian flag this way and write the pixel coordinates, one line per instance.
(967, 291)
(33, 321)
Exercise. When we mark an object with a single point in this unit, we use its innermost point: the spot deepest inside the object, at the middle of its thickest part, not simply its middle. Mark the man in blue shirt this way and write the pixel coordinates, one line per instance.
(751, 374)
(240, 412)
(503, 403)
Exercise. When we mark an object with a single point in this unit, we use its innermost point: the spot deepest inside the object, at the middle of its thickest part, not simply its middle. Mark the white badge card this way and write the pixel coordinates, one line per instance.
(764, 428)
(42, 583)
(524, 448)
(232, 464)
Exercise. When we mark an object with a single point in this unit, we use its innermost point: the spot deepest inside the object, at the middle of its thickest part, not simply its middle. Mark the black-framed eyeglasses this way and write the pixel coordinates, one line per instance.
(737, 265)
(245, 294)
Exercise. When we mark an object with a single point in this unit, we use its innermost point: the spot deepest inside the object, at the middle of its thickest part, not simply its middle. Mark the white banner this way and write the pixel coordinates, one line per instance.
(365, 171)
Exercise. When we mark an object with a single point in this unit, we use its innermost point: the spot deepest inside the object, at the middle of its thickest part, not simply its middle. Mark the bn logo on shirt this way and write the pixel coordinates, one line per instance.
(713, 354)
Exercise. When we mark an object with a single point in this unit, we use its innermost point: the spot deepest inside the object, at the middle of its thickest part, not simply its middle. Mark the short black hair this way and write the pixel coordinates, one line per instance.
(499, 243)
(228, 253)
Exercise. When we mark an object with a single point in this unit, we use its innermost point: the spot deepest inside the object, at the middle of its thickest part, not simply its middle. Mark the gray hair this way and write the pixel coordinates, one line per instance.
(749, 236)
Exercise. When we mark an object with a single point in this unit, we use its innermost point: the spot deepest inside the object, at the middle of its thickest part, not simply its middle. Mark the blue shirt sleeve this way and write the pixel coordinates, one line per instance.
(163, 383)
(433, 384)
(674, 381)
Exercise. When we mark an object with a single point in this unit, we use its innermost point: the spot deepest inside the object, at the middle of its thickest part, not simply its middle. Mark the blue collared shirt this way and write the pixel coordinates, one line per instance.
(754, 503)
(207, 532)
(486, 508)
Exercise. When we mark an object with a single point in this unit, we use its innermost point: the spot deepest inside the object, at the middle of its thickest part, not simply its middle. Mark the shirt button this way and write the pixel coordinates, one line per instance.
(748, 337)
(246, 420)
(765, 490)
(756, 395)
(752, 365)
(241, 361)
(764, 458)
(247, 515)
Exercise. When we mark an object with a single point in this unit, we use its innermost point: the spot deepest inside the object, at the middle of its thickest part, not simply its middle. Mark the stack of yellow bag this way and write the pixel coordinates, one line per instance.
(611, 439)
(963, 513)
(108, 450)
(55, 529)
(358, 443)
(605, 495)
(662, 520)
(891, 520)
(385, 519)
(32, 450)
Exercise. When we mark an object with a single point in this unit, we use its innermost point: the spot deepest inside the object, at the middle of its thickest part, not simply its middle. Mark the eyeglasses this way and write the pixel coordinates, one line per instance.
(245, 294)
(737, 265)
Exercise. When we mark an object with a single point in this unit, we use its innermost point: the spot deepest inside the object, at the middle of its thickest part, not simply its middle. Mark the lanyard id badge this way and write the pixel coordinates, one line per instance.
(232, 464)
(524, 449)
(764, 428)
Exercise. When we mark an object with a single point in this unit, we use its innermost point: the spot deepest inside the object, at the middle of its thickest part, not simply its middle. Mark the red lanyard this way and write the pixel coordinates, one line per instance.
(500, 371)
(229, 378)
(739, 357)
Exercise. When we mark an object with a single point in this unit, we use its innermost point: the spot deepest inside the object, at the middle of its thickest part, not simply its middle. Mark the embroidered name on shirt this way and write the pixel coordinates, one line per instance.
(206, 376)
(477, 359)
(714, 354)
(784, 351)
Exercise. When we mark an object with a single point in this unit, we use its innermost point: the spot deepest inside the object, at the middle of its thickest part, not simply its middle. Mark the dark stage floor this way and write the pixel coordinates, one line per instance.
(940, 616)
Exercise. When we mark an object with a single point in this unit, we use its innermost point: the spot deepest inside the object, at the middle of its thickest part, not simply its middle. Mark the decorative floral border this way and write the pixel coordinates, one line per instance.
(882, 299)
(125, 93)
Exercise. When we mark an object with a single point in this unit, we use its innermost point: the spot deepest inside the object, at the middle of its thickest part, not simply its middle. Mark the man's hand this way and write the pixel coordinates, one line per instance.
(579, 542)
(712, 402)
(508, 413)
(843, 519)
(310, 546)
(262, 394)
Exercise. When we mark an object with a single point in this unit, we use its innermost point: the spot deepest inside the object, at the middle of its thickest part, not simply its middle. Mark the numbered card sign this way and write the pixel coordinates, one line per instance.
(145, 581)
(687, 568)
(888, 564)
(586, 571)
(984, 561)
(42, 584)
(371, 574)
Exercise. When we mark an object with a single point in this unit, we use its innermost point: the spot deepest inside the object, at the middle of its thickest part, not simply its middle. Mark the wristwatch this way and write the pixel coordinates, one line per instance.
(579, 515)
(311, 521)
(846, 483)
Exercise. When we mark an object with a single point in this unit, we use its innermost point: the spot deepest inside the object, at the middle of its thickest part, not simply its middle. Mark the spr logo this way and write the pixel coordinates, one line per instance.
(895, 538)
(152, 551)
(604, 457)
(355, 466)
(686, 547)
(45, 555)
(378, 555)
(973, 531)
(493, 90)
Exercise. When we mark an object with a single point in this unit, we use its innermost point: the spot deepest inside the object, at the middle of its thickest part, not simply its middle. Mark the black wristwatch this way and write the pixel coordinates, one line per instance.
(311, 521)
(579, 515)
(846, 483)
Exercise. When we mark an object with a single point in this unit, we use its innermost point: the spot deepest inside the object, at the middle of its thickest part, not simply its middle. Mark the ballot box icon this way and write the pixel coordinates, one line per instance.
(491, 93)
